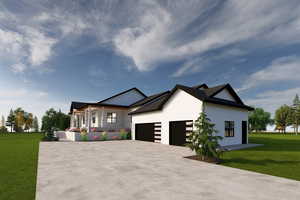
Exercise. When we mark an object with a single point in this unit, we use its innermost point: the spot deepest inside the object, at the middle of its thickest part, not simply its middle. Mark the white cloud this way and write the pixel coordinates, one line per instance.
(191, 66)
(273, 99)
(153, 32)
(281, 69)
(12, 44)
(161, 34)
(18, 67)
(27, 46)
(40, 46)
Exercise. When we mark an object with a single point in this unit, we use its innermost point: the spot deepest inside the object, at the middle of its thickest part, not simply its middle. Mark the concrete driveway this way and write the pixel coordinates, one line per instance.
(142, 170)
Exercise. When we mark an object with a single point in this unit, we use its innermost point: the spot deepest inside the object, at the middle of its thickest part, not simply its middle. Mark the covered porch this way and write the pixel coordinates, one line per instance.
(97, 119)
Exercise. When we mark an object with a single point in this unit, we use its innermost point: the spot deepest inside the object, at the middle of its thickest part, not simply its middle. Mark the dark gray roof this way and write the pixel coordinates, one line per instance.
(136, 89)
(78, 105)
(148, 99)
(206, 95)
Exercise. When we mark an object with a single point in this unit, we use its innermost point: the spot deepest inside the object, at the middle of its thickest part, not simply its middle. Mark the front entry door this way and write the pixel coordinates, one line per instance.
(244, 132)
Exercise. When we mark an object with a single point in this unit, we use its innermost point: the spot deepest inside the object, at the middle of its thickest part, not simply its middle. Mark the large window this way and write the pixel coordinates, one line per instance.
(111, 118)
(229, 128)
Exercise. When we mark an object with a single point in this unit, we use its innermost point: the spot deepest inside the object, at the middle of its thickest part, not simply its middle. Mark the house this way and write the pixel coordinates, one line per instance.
(107, 115)
(168, 117)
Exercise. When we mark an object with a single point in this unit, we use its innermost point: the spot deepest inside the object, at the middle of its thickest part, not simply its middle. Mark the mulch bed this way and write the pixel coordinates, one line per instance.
(206, 159)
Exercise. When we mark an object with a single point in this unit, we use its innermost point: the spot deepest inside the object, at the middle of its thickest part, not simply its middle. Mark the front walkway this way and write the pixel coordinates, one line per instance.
(142, 170)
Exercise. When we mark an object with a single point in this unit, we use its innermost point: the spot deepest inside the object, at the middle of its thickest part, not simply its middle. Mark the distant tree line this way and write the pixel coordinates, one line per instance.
(285, 115)
(19, 121)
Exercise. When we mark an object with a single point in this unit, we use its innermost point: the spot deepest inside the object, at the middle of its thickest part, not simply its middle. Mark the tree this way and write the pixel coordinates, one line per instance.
(282, 118)
(19, 120)
(295, 114)
(10, 122)
(3, 129)
(259, 119)
(2, 121)
(54, 119)
(203, 140)
(35, 124)
(28, 120)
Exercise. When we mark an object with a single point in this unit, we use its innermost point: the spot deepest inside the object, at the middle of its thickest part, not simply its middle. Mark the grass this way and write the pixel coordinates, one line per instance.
(280, 156)
(18, 165)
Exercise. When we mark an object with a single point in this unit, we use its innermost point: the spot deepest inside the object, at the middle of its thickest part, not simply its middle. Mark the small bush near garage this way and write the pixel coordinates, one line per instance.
(204, 142)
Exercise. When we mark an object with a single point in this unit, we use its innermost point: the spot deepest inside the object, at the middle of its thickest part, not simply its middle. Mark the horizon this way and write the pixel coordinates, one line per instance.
(61, 51)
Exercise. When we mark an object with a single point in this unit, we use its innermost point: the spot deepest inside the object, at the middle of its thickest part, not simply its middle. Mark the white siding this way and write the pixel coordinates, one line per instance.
(224, 94)
(126, 99)
(181, 106)
(218, 114)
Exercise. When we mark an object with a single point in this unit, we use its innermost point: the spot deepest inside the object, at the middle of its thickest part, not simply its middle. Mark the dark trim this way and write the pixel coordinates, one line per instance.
(201, 86)
(104, 105)
(228, 103)
(201, 95)
(124, 93)
(231, 91)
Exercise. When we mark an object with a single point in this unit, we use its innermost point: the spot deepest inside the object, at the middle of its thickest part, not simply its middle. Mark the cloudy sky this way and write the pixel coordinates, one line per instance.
(53, 52)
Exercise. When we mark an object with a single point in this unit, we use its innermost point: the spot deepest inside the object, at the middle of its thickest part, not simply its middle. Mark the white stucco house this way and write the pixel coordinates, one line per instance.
(167, 117)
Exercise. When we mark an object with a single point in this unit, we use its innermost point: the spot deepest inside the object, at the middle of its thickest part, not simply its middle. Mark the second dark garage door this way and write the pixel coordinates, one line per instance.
(144, 132)
(178, 132)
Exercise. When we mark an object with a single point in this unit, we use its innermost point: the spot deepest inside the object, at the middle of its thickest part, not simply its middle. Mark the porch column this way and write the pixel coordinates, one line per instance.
(89, 119)
(99, 118)
(102, 117)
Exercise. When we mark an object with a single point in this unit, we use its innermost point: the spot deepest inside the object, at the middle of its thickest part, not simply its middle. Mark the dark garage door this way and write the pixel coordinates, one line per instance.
(144, 132)
(178, 132)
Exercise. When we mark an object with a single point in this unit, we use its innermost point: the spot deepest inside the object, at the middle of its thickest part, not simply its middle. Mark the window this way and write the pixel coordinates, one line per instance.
(111, 117)
(93, 118)
(229, 128)
(83, 119)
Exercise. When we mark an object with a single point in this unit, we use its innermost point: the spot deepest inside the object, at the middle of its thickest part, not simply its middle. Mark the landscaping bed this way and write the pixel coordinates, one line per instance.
(209, 160)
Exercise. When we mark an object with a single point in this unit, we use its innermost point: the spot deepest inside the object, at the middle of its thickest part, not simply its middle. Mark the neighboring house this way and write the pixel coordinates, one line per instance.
(110, 114)
(168, 117)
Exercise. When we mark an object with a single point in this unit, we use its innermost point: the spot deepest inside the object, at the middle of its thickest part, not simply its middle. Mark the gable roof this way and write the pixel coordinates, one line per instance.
(148, 99)
(79, 105)
(206, 95)
(76, 105)
(204, 86)
(215, 90)
(119, 94)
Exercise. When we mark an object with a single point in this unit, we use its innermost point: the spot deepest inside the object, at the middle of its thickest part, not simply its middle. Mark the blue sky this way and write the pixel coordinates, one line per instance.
(53, 52)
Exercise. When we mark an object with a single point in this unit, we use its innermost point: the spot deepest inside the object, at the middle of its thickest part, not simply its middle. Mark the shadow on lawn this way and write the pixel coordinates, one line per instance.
(263, 162)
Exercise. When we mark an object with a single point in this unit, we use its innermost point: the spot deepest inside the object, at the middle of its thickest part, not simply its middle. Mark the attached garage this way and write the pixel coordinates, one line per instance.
(150, 132)
(178, 109)
(179, 132)
(144, 132)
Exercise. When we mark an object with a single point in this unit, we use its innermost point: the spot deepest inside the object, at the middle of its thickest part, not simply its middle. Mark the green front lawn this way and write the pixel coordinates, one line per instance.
(280, 156)
(18, 165)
